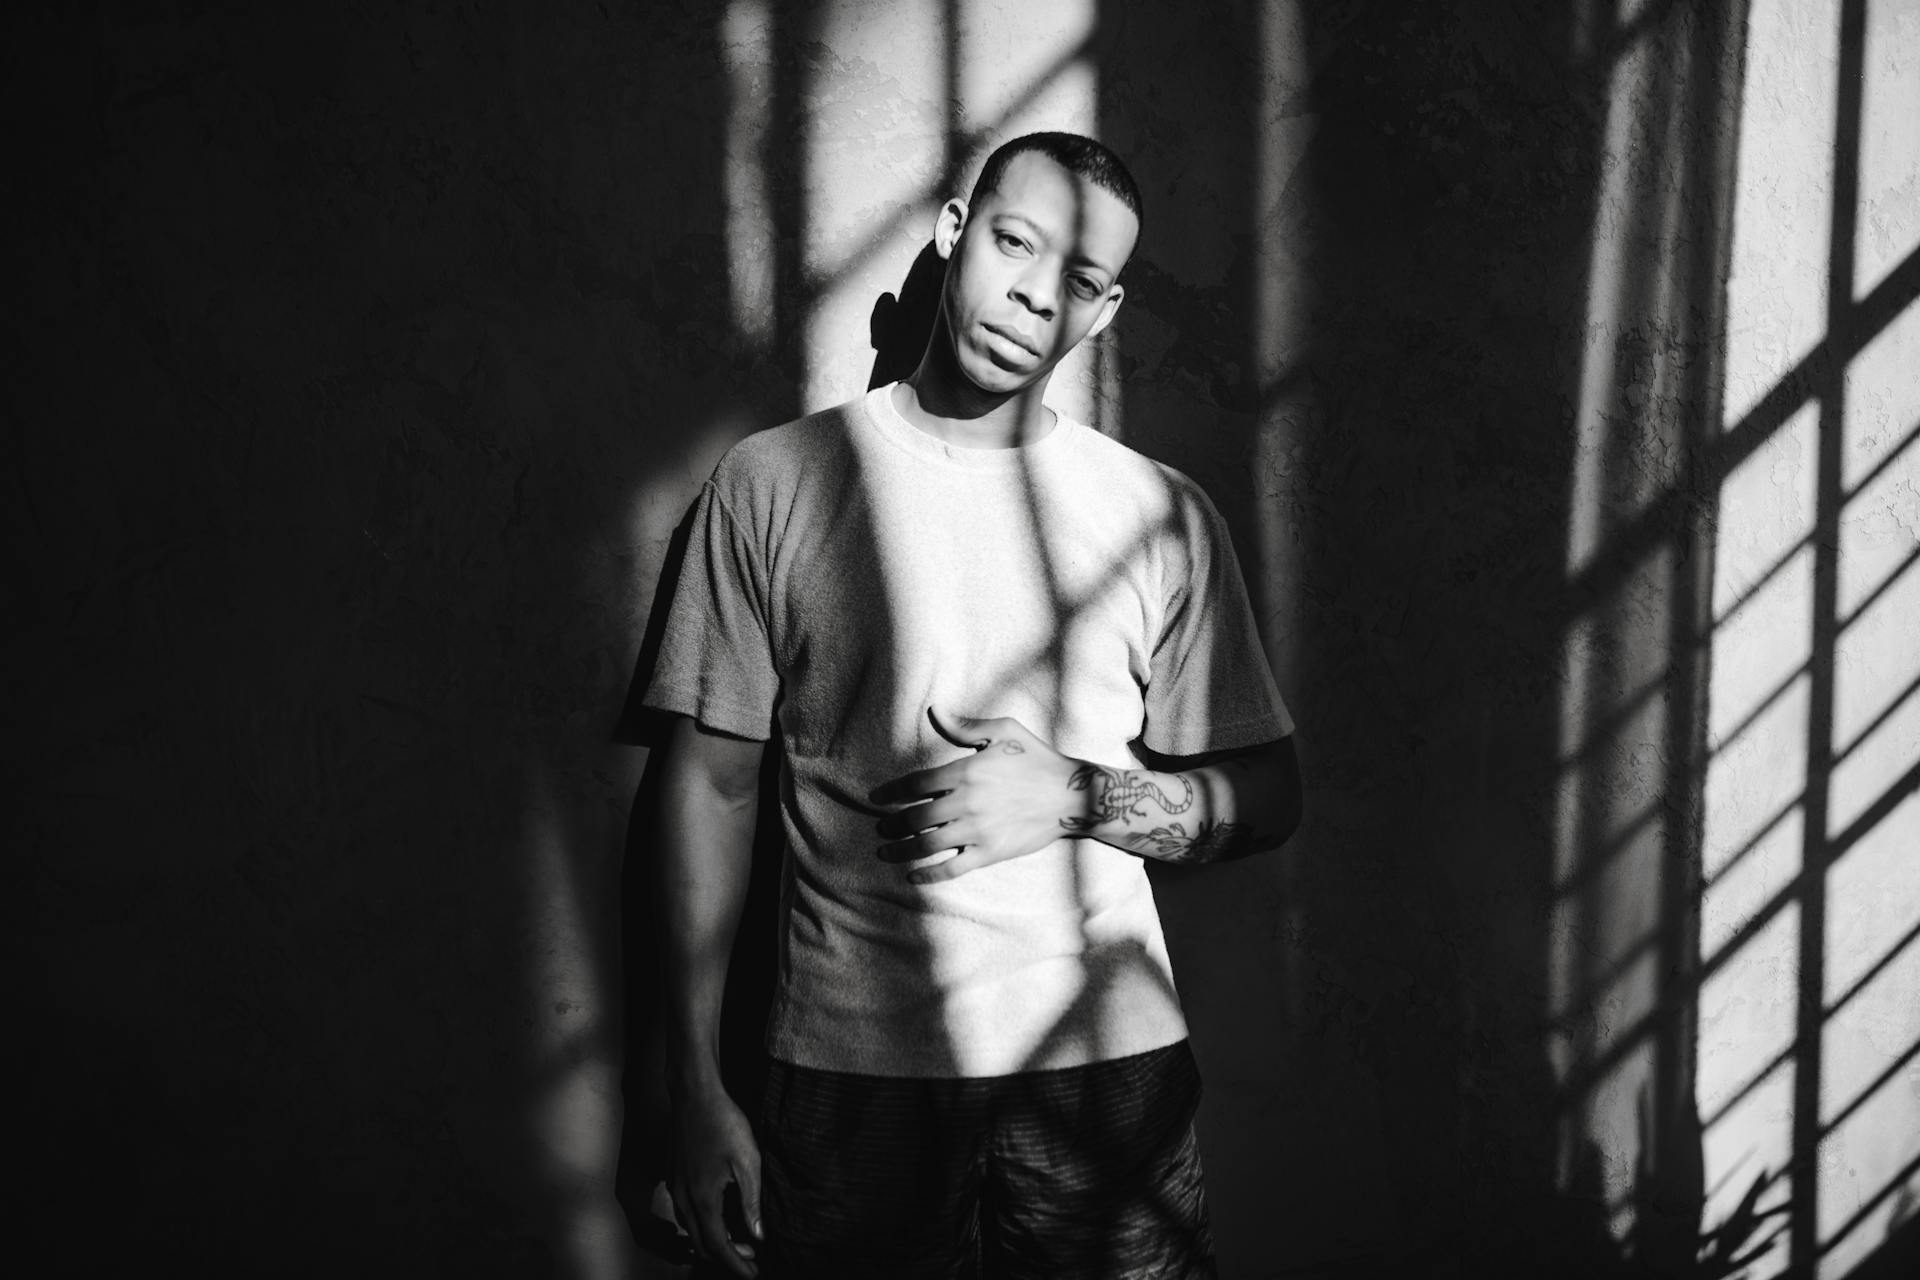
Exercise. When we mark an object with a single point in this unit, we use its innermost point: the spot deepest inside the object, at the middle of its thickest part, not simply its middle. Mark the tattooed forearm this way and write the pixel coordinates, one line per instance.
(1212, 812)
(1114, 795)
(1210, 842)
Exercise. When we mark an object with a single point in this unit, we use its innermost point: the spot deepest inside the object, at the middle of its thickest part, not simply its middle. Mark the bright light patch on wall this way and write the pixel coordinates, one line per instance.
(1606, 281)
(1753, 780)
(1754, 1138)
(875, 149)
(1024, 69)
(1870, 1087)
(1887, 223)
(1882, 1019)
(1771, 654)
(1777, 293)
(1766, 510)
(1883, 408)
(1749, 1002)
(1743, 886)
(1746, 1021)
(1879, 543)
(1880, 531)
(1760, 648)
(1755, 776)
(1763, 643)
(1883, 640)
(746, 45)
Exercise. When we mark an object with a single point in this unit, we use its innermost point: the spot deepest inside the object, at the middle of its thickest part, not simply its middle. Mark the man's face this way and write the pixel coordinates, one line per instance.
(1032, 271)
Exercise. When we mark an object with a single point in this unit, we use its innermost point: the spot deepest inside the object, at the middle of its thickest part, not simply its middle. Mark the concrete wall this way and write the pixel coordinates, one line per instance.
(363, 366)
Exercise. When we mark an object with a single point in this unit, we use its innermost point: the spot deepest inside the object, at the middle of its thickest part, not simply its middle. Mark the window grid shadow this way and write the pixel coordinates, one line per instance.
(1819, 379)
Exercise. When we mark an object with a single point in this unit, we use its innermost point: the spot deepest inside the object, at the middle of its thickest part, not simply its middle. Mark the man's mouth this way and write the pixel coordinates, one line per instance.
(1015, 338)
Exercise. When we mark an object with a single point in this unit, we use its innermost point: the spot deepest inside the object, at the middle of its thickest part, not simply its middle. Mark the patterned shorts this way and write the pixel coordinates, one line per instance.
(1079, 1173)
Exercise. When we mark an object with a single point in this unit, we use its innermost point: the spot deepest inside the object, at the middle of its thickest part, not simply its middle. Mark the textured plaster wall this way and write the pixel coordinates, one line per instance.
(359, 368)
(1814, 728)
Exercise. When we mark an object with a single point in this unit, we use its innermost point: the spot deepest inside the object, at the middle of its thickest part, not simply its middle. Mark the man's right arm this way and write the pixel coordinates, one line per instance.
(703, 853)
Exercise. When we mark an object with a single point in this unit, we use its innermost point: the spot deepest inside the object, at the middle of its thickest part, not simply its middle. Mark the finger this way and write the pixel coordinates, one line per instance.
(922, 784)
(952, 869)
(732, 1258)
(925, 844)
(918, 817)
(738, 1259)
(710, 1231)
(961, 731)
(690, 1223)
(747, 1173)
(737, 1255)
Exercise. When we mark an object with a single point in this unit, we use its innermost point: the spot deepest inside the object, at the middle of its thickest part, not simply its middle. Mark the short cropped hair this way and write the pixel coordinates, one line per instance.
(1078, 155)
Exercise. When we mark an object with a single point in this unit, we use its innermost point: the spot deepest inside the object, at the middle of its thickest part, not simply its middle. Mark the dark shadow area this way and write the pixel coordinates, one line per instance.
(902, 323)
(1454, 171)
(340, 349)
(1898, 1257)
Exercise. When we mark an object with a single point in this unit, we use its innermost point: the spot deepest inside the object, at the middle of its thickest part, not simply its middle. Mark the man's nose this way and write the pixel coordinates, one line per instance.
(1036, 292)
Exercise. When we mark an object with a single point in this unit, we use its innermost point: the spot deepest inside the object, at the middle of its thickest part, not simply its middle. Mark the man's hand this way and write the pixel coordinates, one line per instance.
(1012, 796)
(714, 1148)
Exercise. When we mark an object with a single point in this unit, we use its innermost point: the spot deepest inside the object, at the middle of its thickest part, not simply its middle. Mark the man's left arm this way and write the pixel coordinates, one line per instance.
(1015, 794)
(1209, 808)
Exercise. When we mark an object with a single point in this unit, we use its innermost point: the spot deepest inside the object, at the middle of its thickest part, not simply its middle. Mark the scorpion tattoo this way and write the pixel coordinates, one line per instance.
(1117, 794)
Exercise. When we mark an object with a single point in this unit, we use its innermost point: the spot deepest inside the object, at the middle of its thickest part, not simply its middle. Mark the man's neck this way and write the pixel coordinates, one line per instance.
(938, 400)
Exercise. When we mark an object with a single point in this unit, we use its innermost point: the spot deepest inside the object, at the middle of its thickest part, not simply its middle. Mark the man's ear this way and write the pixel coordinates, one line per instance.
(1115, 296)
(947, 227)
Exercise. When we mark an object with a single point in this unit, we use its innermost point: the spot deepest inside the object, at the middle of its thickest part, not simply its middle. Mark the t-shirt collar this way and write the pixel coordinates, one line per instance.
(888, 421)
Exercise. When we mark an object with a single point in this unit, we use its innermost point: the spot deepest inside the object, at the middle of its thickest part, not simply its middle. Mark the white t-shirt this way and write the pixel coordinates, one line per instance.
(847, 570)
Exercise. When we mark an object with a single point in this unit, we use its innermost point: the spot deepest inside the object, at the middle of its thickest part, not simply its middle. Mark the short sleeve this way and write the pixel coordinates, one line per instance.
(716, 660)
(1209, 687)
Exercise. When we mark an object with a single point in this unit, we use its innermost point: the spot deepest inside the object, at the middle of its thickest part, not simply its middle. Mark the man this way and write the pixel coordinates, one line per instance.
(969, 621)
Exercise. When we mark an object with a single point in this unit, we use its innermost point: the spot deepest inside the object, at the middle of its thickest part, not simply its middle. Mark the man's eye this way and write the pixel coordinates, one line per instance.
(1085, 287)
(1010, 241)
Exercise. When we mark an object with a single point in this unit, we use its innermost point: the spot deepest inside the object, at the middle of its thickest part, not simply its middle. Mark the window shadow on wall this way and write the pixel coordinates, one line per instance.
(1806, 786)
(1451, 239)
